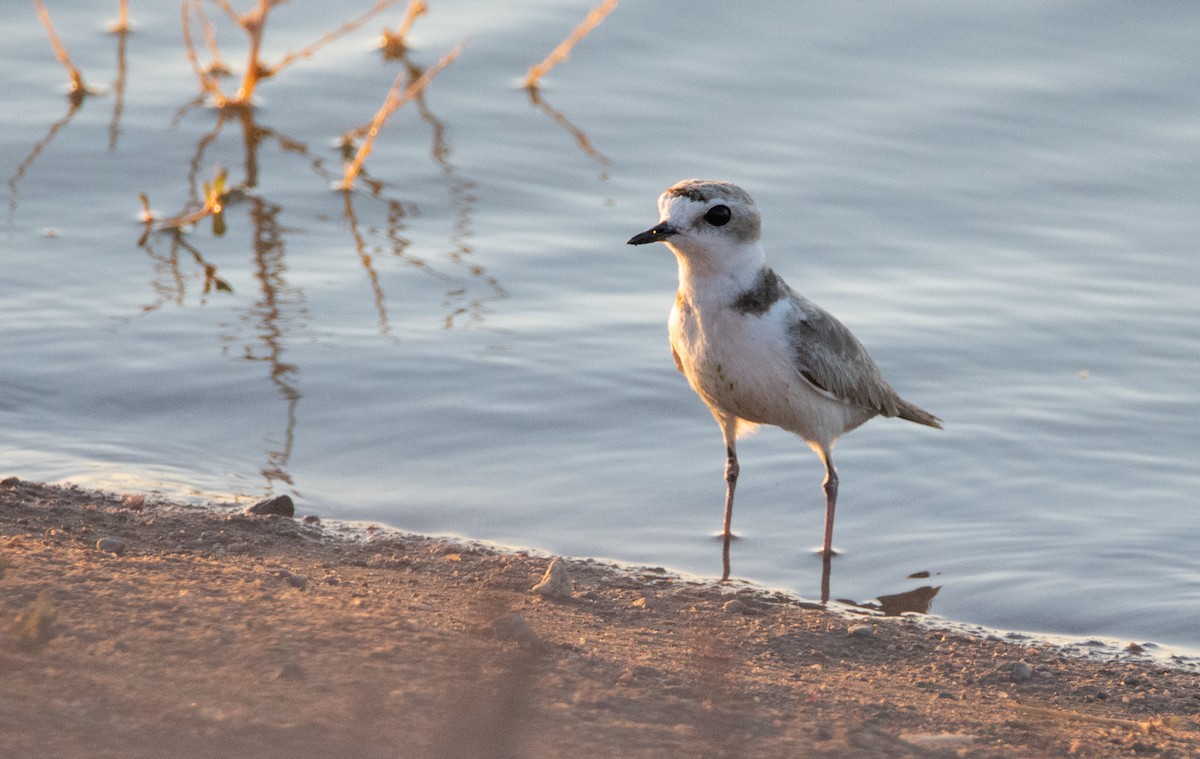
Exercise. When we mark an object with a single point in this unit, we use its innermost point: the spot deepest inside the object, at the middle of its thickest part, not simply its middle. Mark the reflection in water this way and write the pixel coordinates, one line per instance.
(826, 566)
(725, 540)
(462, 201)
(826, 563)
(271, 313)
(168, 280)
(457, 301)
(917, 600)
(364, 256)
(278, 302)
(76, 99)
(121, 30)
(581, 138)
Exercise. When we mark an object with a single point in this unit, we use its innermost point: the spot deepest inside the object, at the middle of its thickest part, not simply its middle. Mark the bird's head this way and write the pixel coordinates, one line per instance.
(708, 224)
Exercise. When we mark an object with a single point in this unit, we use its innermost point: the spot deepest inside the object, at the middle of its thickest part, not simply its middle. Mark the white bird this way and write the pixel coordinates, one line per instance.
(754, 350)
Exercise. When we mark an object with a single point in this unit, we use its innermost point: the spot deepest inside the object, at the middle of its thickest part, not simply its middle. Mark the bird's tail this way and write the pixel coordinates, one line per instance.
(906, 410)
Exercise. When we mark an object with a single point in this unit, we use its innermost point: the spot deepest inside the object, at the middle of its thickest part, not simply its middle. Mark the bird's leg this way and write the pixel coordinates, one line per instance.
(731, 475)
(831, 489)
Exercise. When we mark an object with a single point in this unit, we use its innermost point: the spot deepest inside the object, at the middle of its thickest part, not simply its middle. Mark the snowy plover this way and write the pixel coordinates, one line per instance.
(755, 351)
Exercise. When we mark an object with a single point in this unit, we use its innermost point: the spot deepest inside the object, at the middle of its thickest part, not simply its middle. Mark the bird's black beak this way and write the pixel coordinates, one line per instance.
(657, 233)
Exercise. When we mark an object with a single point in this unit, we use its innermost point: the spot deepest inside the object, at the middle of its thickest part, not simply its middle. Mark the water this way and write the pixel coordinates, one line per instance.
(999, 201)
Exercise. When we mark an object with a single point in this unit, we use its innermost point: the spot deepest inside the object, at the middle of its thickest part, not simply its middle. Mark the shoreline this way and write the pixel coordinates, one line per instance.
(136, 627)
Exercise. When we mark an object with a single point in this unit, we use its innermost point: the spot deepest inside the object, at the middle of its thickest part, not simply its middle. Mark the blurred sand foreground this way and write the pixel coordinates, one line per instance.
(136, 628)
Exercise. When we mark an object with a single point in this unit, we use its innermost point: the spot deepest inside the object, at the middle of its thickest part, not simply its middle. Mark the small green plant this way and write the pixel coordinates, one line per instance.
(34, 625)
(215, 195)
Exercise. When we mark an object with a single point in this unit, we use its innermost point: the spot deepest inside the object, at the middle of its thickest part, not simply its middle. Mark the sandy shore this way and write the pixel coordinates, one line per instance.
(136, 628)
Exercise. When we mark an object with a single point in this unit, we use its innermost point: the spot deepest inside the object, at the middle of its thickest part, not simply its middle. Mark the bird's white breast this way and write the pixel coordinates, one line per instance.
(744, 365)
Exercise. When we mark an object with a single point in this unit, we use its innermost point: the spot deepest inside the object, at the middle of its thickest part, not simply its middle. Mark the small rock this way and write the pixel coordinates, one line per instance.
(642, 603)
(300, 582)
(1018, 671)
(735, 607)
(636, 672)
(10, 482)
(280, 505)
(115, 546)
(556, 583)
(861, 630)
(944, 741)
(290, 671)
(312, 519)
(515, 628)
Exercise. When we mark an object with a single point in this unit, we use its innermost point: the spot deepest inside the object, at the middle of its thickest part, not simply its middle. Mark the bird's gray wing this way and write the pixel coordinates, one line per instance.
(828, 355)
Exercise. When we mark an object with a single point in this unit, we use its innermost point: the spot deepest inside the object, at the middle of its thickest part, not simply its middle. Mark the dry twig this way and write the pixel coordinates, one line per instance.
(254, 24)
(78, 88)
(393, 43)
(395, 98)
(346, 28)
(560, 53)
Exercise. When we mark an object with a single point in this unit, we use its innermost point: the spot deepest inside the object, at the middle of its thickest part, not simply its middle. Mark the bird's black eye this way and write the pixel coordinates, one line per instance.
(718, 216)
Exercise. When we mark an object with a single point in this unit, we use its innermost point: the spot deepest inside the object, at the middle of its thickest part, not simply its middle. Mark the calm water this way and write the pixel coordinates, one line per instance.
(1002, 205)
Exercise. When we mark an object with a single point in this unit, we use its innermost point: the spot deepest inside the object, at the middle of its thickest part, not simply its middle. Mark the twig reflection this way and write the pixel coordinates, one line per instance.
(364, 257)
(121, 30)
(270, 314)
(462, 200)
(581, 138)
(278, 302)
(76, 101)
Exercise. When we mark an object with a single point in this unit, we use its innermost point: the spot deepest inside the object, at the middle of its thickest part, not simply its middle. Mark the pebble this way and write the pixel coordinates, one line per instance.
(115, 546)
(556, 583)
(280, 505)
(636, 672)
(1018, 671)
(300, 582)
(735, 607)
(290, 671)
(861, 630)
(515, 628)
(943, 741)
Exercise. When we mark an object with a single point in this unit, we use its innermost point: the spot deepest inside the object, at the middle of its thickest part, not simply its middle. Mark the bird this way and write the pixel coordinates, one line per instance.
(754, 350)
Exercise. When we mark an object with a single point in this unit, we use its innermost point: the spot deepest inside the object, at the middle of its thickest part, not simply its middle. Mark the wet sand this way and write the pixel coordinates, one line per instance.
(131, 627)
